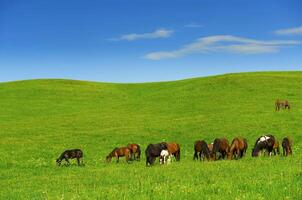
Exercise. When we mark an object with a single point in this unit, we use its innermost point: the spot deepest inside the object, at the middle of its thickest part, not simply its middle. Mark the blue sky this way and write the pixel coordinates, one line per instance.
(142, 41)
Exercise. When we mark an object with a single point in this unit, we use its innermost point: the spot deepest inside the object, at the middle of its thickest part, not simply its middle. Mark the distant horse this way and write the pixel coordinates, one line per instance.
(135, 151)
(164, 157)
(238, 148)
(282, 104)
(286, 145)
(119, 152)
(153, 151)
(201, 150)
(220, 146)
(70, 154)
(174, 149)
(265, 142)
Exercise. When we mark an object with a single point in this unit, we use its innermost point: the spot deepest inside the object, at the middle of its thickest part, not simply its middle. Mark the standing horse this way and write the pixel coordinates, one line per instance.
(135, 151)
(286, 146)
(265, 142)
(70, 154)
(201, 150)
(174, 149)
(220, 146)
(282, 104)
(119, 152)
(153, 151)
(238, 148)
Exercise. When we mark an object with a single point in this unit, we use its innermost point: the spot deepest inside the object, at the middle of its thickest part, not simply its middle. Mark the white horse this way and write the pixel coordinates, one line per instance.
(164, 157)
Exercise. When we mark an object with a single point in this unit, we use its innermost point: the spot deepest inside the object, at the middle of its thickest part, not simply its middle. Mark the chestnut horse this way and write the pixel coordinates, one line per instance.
(220, 146)
(238, 148)
(174, 149)
(135, 151)
(286, 145)
(119, 152)
(201, 150)
(282, 104)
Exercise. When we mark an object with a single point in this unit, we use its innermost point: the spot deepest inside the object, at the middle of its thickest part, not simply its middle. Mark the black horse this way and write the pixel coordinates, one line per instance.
(70, 154)
(265, 142)
(153, 151)
(201, 150)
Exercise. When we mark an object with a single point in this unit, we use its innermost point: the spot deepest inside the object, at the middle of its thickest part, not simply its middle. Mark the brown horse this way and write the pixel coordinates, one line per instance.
(135, 151)
(286, 145)
(201, 150)
(282, 104)
(174, 149)
(119, 152)
(238, 148)
(220, 146)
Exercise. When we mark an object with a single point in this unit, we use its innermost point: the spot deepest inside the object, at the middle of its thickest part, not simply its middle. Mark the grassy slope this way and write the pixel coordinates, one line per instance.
(41, 118)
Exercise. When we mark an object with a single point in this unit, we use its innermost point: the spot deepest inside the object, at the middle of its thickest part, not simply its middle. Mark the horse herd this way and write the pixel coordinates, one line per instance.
(219, 149)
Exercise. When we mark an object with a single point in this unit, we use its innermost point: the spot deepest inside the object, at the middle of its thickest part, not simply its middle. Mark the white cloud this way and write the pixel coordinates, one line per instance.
(159, 33)
(193, 25)
(223, 43)
(290, 31)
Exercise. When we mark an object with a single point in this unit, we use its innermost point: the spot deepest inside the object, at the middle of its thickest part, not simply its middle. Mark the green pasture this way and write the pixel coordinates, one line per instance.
(41, 118)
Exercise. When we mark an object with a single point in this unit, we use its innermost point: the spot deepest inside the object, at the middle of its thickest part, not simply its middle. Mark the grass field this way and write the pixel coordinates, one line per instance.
(41, 118)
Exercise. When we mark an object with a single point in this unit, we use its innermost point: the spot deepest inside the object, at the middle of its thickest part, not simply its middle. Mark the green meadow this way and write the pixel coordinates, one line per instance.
(39, 119)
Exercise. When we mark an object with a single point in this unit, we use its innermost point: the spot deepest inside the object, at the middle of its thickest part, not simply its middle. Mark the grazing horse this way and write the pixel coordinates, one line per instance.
(265, 142)
(201, 150)
(70, 154)
(286, 145)
(282, 104)
(153, 151)
(135, 151)
(220, 146)
(238, 148)
(119, 152)
(174, 150)
(164, 157)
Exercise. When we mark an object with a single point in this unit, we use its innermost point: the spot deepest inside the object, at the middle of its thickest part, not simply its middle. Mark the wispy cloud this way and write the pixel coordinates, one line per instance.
(159, 33)
(290, 31)
(224, 43)
(193, 25)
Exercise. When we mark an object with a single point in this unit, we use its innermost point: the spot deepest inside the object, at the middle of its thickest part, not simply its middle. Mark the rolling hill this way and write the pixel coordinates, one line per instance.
(41, 118)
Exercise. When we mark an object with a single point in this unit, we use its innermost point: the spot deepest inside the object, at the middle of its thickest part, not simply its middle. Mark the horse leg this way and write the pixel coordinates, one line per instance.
(78, 160)
(117, 159)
